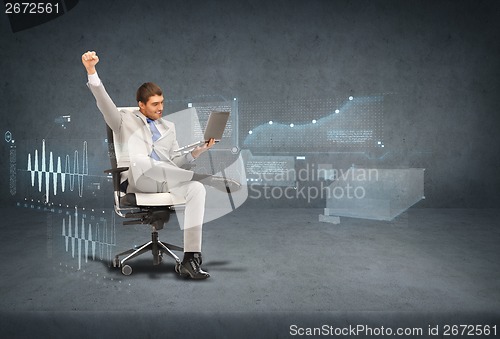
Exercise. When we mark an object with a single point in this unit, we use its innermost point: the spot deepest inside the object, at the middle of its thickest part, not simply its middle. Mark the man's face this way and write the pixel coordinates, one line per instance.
(153, 108)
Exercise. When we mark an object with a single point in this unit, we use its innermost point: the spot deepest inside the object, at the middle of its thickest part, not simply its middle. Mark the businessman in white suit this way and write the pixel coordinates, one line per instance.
(146, 144)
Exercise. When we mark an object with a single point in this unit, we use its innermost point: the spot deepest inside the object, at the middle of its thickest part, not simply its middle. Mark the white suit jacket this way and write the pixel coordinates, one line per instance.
(133, 138)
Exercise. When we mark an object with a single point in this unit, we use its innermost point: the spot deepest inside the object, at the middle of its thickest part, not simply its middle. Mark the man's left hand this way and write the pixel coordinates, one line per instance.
(200, 149)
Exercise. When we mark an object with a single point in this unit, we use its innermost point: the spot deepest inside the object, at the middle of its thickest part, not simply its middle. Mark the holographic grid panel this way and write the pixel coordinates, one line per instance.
(230, 136)
(269, 170)
(89, 235)
(351, 124)
(191, 128)
(77, 234)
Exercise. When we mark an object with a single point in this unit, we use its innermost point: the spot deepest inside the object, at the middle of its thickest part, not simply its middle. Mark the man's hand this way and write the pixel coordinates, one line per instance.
(89, 60)
(200, 149)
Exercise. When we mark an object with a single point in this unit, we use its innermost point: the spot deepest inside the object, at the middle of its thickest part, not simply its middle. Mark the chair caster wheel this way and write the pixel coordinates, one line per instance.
(127, 270)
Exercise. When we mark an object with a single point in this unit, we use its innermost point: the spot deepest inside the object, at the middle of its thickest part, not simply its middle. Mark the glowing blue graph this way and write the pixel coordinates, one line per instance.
(43, 171)
(89, 237)
(354, 125)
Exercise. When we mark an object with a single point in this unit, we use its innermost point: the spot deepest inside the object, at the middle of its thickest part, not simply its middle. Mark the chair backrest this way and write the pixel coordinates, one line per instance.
(115, 171)
(156, 216)
(111, 147)
(112, 159)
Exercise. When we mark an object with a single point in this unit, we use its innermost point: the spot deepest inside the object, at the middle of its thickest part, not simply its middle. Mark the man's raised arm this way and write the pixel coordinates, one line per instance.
(107, 107)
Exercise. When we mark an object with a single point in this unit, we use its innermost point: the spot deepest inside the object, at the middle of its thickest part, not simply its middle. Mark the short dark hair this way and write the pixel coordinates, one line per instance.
(147, 90)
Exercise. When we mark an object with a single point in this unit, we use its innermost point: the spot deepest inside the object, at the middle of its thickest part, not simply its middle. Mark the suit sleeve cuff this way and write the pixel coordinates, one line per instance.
(94, 79)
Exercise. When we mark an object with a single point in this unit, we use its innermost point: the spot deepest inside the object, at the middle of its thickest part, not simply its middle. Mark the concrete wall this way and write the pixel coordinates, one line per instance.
(439, 58)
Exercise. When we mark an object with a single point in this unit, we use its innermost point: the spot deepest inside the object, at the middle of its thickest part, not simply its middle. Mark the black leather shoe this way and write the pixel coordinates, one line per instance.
(223, 184)
(190, 267)
(199, 258)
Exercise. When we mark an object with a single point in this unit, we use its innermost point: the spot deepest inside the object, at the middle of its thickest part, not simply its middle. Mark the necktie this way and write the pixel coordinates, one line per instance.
(156, 135)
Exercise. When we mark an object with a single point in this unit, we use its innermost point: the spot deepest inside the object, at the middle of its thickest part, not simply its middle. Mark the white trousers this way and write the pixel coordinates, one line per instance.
(160, 177)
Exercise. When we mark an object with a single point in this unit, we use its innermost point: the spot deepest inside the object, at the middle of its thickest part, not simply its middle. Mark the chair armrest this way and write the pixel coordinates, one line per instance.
(115, 173)
(116, 170)
(188, 166)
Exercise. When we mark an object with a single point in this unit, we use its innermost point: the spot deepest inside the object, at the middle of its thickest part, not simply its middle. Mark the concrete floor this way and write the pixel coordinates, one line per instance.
(271, 269)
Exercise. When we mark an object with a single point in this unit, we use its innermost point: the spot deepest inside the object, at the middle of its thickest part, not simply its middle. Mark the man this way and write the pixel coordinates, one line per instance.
(146, 144)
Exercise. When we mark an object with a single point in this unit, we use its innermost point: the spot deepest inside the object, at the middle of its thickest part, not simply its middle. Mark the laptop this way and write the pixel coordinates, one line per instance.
(215, 128)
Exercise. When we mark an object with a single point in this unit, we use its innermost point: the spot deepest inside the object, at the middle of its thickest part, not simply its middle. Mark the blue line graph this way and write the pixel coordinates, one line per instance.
(42, 171)
(348, 126)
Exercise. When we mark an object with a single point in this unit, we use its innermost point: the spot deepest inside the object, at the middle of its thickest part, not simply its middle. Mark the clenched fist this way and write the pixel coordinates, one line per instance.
(89, 60)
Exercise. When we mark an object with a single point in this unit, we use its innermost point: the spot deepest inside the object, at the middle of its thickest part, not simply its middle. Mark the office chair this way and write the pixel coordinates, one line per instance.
(144, 209)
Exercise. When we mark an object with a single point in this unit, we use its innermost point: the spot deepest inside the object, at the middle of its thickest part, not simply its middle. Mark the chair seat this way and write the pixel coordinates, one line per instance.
(150, 199)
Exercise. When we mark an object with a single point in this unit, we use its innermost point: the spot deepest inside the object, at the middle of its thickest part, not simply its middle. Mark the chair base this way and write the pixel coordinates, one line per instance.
(157, 247)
